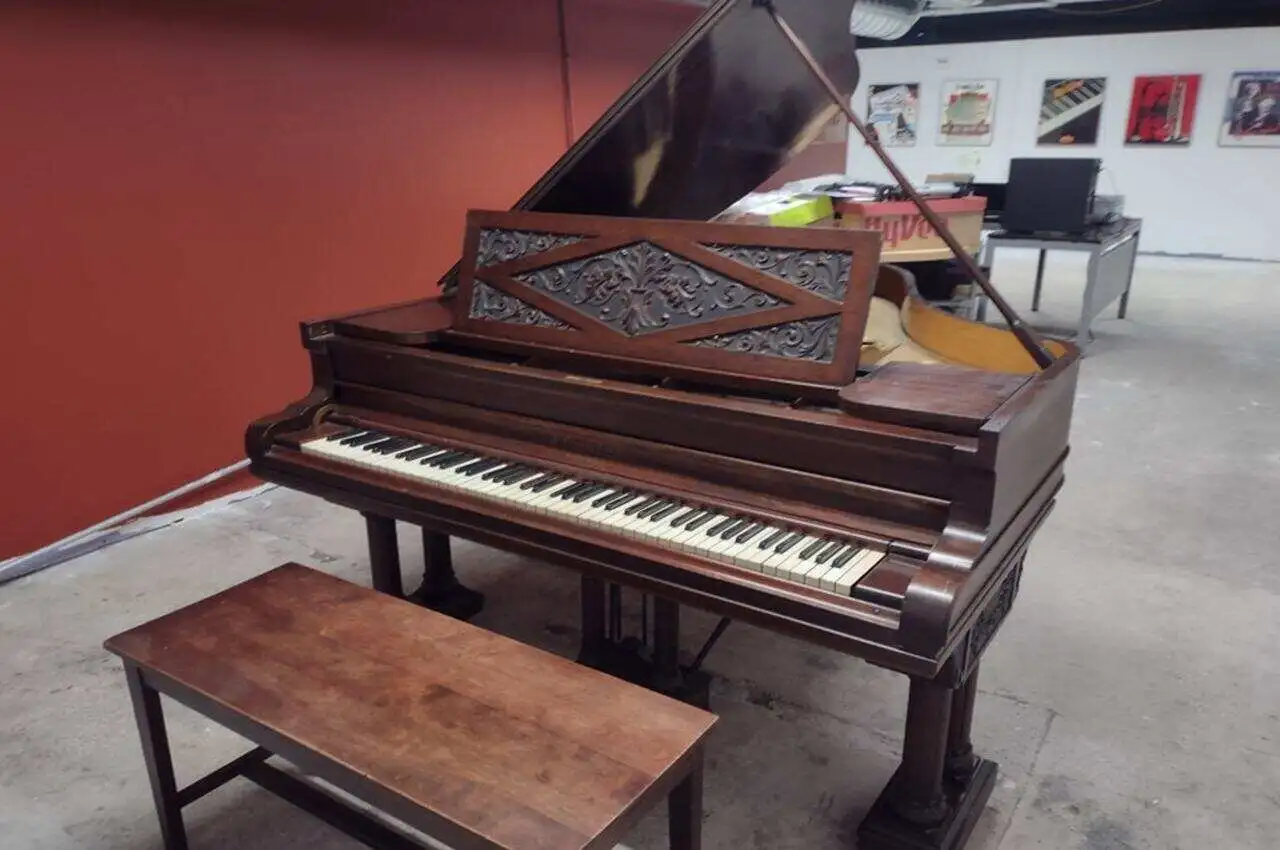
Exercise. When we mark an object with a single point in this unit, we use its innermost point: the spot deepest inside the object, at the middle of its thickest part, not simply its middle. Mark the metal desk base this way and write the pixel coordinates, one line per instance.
(1110, 273)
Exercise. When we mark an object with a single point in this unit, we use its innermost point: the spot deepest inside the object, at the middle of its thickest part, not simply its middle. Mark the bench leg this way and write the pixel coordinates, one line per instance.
(684, 811)
(155, 749)
(384, 554)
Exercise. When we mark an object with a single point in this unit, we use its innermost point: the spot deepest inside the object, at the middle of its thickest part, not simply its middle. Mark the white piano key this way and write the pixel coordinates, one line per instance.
(858, 569)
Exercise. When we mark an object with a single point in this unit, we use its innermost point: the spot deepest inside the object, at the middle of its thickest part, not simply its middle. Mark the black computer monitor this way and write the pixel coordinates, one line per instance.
(995, 195)
(1050, 195)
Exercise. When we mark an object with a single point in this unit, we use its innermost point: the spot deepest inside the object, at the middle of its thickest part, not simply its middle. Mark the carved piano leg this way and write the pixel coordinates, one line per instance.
(962, 762)
(384, 554)
(440, 590)
(926, 806)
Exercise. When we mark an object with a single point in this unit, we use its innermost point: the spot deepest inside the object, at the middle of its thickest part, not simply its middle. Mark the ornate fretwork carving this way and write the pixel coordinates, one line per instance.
(805, 339)
(641, 288)
(497, 306)
(824, 273)
(989, 621)
(499, 245)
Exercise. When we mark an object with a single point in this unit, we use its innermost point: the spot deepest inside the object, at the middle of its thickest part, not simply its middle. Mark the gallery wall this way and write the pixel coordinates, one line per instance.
(184, 182)
(1200, 199)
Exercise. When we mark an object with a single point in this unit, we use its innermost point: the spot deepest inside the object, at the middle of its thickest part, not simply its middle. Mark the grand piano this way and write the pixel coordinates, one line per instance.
(613, 382)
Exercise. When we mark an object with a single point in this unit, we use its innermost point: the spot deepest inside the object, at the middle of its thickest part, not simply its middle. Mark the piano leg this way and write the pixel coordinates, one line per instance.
(962, 762)
(440, 590)
(595, 635)
(657, 668)
(384, 554)
(937, 794)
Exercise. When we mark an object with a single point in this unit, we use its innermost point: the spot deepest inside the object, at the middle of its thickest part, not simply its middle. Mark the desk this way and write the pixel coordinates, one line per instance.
(1113, 249)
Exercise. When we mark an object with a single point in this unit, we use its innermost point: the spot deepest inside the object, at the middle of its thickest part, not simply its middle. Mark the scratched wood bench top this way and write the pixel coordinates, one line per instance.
(515, 745)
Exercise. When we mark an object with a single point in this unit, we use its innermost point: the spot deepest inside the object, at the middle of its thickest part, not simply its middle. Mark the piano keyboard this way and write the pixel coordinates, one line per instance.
(827, 562)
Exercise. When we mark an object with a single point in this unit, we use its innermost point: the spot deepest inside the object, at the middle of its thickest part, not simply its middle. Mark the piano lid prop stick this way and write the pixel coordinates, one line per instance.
(1030, 341)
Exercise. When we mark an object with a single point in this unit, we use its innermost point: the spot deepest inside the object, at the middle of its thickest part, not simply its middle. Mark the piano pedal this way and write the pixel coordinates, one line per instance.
(631, 661)
(456, 600)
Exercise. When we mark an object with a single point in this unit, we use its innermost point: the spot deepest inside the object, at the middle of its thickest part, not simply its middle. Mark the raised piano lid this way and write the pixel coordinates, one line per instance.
(722, 111)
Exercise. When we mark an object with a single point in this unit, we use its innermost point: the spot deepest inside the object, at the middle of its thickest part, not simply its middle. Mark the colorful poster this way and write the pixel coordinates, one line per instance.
(1163, 110)
(1071, 111)
(968, 110)
(1253, 110)
(893, 110)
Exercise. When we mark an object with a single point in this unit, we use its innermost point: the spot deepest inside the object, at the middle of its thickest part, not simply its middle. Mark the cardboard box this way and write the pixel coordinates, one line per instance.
(907, 236)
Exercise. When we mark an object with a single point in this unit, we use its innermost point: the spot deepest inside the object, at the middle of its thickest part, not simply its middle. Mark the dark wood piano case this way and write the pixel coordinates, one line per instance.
(722, 303)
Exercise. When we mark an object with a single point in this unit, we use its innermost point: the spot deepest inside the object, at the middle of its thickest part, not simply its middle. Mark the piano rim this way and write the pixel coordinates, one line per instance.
(874, 637)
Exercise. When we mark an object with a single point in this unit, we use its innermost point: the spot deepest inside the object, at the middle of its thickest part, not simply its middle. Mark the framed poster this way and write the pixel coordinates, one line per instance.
(968, 110)
(1071, 111)
(1253, 111)
(1163, 110)
(893, 110)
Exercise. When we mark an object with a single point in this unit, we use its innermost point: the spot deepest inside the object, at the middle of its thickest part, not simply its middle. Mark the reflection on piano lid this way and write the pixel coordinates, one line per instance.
(690, 137)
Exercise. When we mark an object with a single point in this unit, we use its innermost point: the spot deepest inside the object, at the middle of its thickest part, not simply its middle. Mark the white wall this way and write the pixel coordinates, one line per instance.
(1201, 199)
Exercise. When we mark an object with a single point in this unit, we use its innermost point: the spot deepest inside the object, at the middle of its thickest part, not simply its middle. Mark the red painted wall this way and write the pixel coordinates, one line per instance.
(180, 188)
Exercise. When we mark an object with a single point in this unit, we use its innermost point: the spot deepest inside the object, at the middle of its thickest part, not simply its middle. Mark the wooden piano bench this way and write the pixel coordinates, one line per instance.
(462, 735)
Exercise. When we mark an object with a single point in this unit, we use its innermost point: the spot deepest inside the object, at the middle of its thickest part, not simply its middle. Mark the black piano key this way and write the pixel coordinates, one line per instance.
(845, 555)
(826, 554)
(721, 526)
(593, 490)
(361, 439)
(548, 483)
(789, 544)
(521, 477)
(474, 469)
(702, 512)
(465, 469)
(749, 532)
(514, 473)
(667, 511)
(420, 451)
(647, 512)
(638, 506)
(494, 471)
(343, 434)
(463, 459)
(569, 490)
(534, 482)
(392, 445)
(444, 458)
(698, 522)
(684, 516)
(812, 549)
(623, 499)
(607, 496)
(771, 539)
(734, 528)
(601, 499)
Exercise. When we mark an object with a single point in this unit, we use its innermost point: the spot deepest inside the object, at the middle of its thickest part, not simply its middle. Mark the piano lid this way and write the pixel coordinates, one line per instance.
(717, 116)
(727, 106)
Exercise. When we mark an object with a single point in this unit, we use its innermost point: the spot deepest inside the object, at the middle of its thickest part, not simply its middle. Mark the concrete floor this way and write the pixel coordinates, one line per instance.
(1132, 698)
